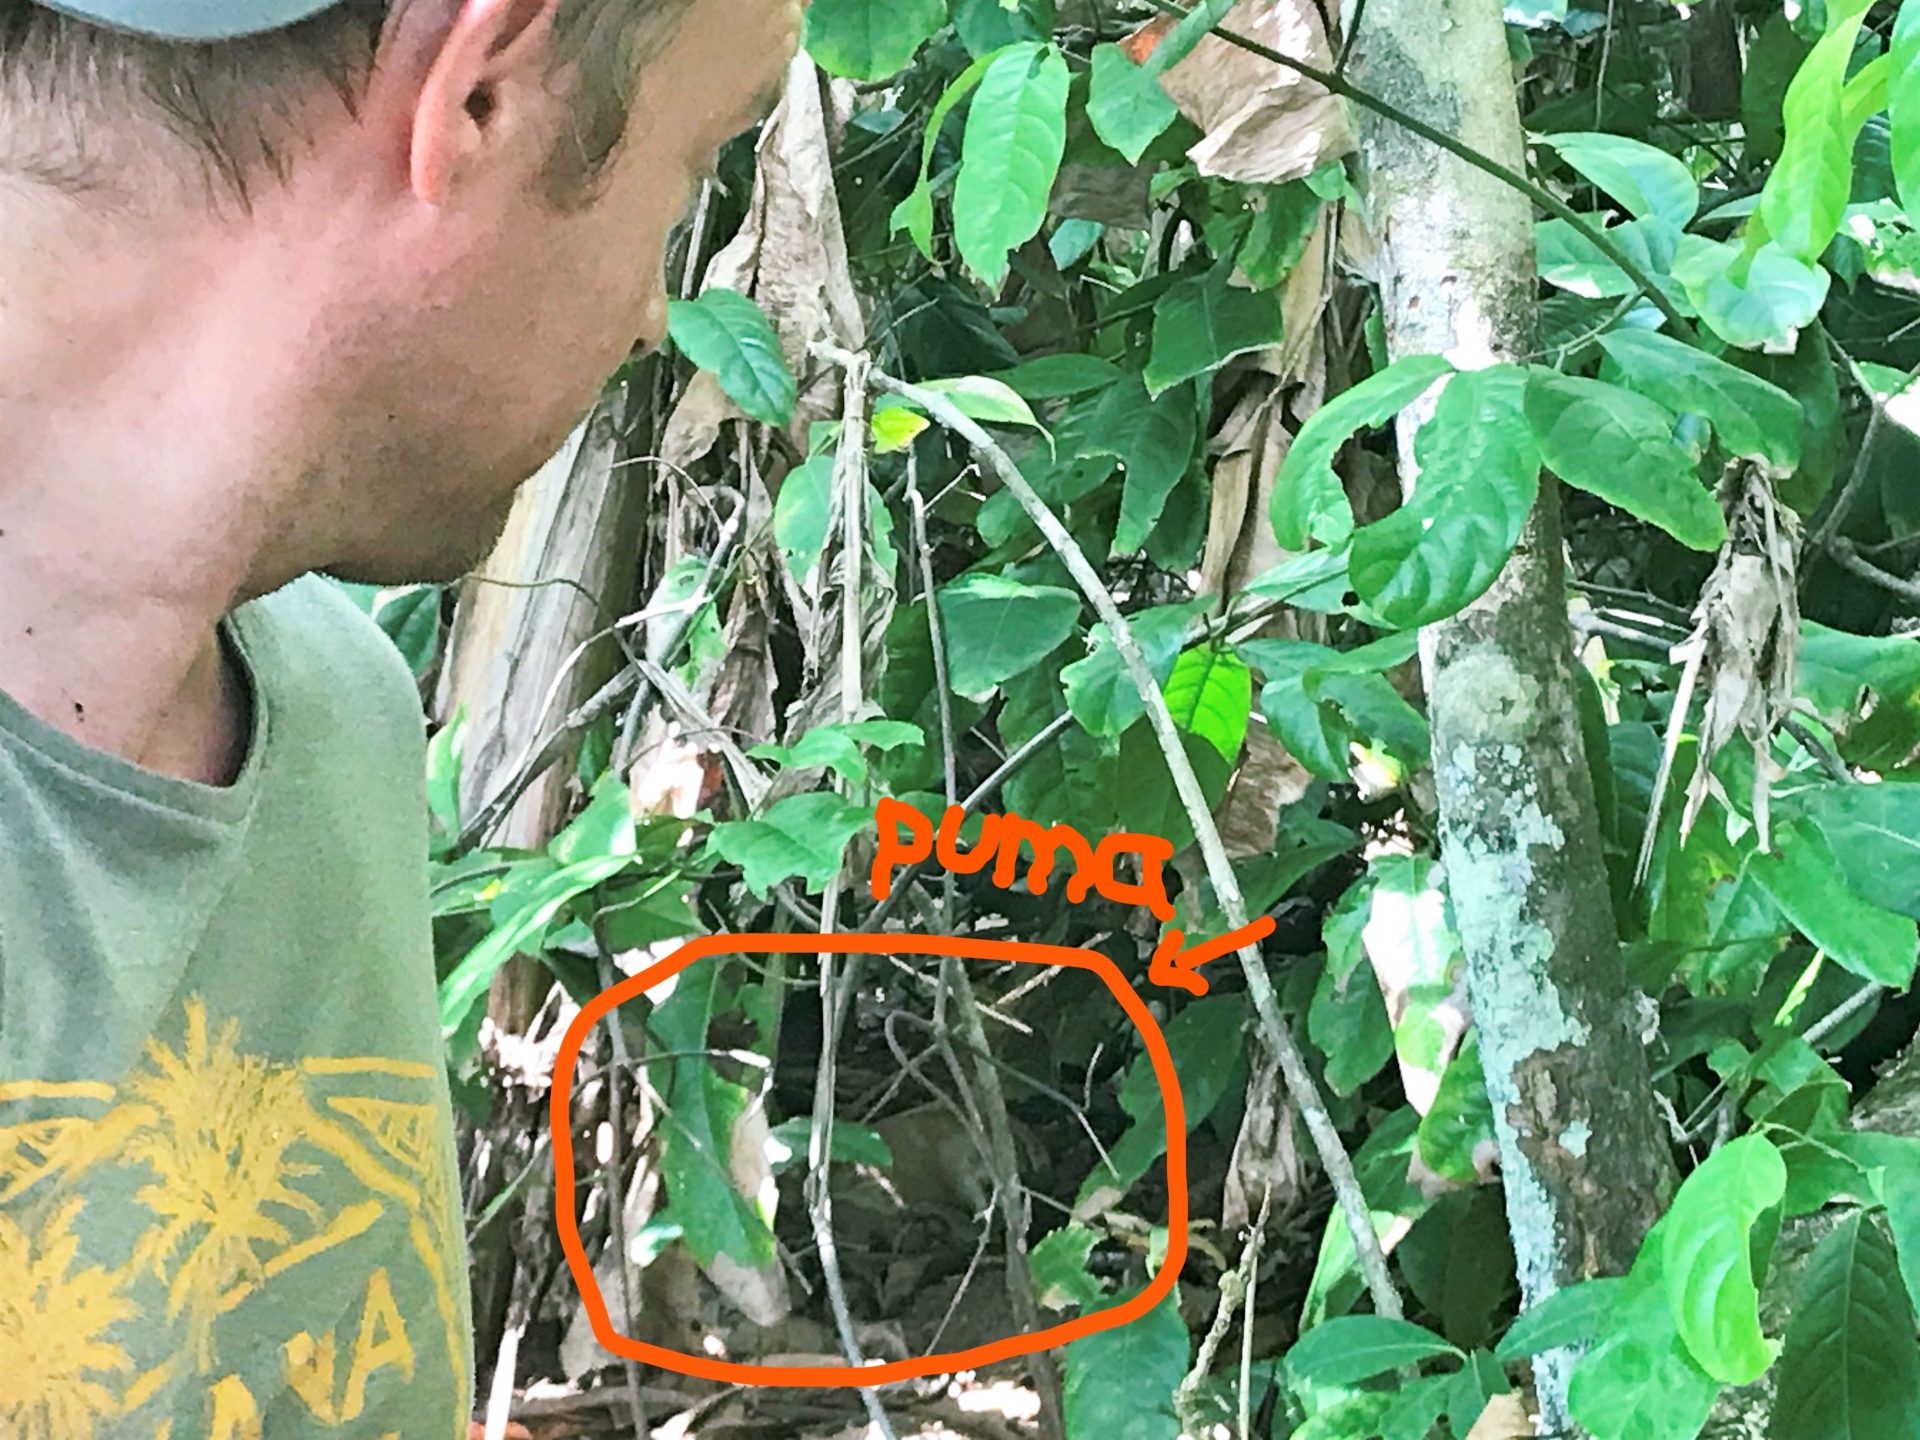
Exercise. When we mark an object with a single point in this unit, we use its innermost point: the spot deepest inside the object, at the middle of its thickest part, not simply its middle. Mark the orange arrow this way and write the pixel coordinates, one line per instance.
(1174, 967)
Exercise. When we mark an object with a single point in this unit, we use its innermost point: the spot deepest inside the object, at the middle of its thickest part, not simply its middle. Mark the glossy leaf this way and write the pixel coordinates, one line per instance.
(1812, 891)
(1479, 477)
(1851, 1366)
(1101, 693)
(1015, 136)
(1210, 694)
(1753, 302)
(1640, 1383)
(1125, 103)
(1706, 1260)
(1874, 834)
(1807, 192)
(1154, 440)
(996, 627)
(1749, 415)
(1309, 502)
(1120, 1382)
(801, 837)
(725, 332)
(1203, 322)
(870, 39)
(1620, 446)
(1352, 1348)
(1570, 1318)
(1649, 182)
(1903, 107)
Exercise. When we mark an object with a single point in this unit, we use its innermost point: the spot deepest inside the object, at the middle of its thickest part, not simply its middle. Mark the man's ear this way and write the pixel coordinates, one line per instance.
(484, 91)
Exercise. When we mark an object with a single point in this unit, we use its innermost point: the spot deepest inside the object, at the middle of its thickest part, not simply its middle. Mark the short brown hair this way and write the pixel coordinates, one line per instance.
(231, 106)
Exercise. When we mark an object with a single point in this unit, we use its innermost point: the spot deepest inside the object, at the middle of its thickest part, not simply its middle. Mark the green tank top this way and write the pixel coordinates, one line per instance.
(227, 1196)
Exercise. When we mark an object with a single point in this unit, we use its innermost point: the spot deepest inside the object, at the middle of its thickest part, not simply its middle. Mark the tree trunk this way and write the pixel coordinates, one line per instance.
(1584, 1161)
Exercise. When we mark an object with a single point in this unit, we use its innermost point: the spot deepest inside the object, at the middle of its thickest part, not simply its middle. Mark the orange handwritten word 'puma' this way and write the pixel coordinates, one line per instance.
(907, 837)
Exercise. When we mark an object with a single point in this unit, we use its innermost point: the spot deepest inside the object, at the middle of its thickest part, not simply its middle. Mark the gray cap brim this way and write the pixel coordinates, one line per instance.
(192, 19)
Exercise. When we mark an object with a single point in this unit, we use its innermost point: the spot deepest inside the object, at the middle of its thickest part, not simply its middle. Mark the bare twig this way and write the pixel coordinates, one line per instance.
(1271, 1025)
(1848, 557)
(1236, 1289)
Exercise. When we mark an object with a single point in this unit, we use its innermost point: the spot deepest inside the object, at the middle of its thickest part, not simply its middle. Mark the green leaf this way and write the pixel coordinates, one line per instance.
(803, 512)
(1058, 377)
(702, 1110)
(1479, 477)
(801, 836)
(1154, 439)
(995, 628)
(838, 747)
(1120, 1382)
(1640, 1383)
(1416, 1408)
(870, 39)
(985, 26)
(1750, 416)
(982, 398)
(915, 213)
(851, 1144)
(1348, 1016)
(1059, 1266)
(1125, 104)
(1459, 1124)
(725, 332)
(411, 618)
(1851, 1367)
(1903, 108)
(896, 425)
(1016, 134)
(1648, 182)
(520, 931)
(1759, 302)
(1352, 1348)
(1874, 833)
(1806, 882)
(1309, 502)
(1101, 693)
(1210, 694)
(1203, 322)
(1706, 1259)
(1620, 446)
(1567, 1319)
(1806, 194)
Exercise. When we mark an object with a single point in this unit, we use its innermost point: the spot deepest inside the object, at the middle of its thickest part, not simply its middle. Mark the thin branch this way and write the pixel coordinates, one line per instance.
(1848, 557)
(1540, 196)
(1271, 1025)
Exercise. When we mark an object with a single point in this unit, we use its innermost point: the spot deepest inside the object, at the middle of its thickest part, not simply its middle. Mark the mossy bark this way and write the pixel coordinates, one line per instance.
(1584, 1159)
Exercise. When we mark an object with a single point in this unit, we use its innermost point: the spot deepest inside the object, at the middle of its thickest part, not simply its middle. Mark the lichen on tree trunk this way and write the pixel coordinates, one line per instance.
(1584, 1160)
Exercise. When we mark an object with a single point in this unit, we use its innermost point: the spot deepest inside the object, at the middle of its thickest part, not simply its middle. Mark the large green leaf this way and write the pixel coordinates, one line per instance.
(800, 837)
(870, 39)
(1458, 1128)
(1101, 693)
(1640, 1383)
(996, 627)
(1479, 477)
(1647, 181)
(1352, 1348)
(1569, 1318)
(1750, 416)
(1154, 439)
(1874, 833)
(915, 213)
(1762, 300)
(702, 1110)
(1903, 108)
(1203, 322)
(1804, 880)
(1016, 134)
(1706, 1258)
(1120, 1382)
(1210, 694)
(1309, 502)
(1851, 1367)
(1125, 103)
(1806, 194)
(1618, 445)
(1348, 1018)
(725, 332)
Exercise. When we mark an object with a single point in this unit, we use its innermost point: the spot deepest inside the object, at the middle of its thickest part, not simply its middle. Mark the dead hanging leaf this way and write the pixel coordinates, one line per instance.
(1505, 1418)
(790, 255)
(1744, 650)
(760, 1291)
(1264, 123)
(1266, 1158)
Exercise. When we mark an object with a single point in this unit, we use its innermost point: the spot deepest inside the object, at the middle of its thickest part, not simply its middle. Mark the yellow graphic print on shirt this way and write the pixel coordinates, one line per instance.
(146, 1234)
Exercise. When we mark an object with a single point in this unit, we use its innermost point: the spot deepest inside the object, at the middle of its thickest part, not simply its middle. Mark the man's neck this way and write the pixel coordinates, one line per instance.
(134, 497)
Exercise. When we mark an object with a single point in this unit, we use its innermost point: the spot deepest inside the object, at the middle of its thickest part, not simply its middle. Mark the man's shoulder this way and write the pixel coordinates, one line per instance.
(322, 661)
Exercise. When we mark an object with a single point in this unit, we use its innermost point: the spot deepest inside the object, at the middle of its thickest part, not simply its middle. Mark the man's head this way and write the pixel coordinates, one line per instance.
(397, 244)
